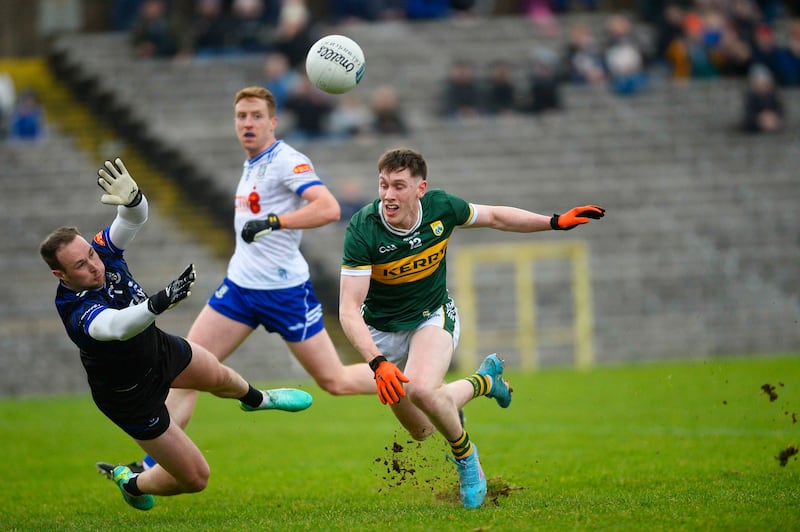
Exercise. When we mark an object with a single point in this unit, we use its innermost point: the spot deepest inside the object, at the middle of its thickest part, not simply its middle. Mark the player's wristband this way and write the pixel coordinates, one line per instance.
(273, 221)
(158, 303)
(375, 362)
(136, 200)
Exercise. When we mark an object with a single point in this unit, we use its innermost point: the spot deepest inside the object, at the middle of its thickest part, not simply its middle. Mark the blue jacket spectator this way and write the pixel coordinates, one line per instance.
(624, 57)
(779, 59)
(427, 9)
(27, 119)
(279, 78)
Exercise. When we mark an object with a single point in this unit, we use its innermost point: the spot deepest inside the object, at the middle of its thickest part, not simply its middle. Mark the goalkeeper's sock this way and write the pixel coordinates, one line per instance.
(481, 384)
(132, 488)
(461, 446)
(254, 398)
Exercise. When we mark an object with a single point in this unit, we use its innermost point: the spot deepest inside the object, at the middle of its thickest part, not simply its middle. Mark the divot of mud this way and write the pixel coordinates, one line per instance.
(784, 456)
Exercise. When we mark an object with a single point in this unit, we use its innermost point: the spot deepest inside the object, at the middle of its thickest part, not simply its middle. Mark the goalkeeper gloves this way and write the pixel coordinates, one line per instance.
(120, 187)
(576, 216)
(255, 229)
(389, 380)
(175, 292)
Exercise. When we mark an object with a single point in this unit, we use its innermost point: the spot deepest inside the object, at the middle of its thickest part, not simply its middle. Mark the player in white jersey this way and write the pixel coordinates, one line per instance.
(267, 282)
(395, 309)
(277, 177)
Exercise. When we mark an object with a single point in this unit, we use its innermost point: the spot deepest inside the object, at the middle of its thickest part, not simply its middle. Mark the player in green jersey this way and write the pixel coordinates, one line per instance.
(395, 309)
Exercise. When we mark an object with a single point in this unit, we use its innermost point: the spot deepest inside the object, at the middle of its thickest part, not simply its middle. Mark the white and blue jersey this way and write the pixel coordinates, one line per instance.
(272, 183)
(268, 281)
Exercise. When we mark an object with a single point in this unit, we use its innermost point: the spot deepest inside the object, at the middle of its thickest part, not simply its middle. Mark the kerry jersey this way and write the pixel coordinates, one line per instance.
(272, 182)
(108, 364)
(408, 272)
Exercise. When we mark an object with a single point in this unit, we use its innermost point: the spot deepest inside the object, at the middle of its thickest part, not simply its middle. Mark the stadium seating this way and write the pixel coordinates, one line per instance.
(697, 255)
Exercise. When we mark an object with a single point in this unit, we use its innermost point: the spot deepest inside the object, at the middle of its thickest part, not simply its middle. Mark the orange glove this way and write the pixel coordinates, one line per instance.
(576, 216)
(389, 379)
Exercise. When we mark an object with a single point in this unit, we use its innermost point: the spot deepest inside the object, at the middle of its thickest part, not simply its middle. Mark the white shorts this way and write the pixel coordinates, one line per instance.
(395, 345)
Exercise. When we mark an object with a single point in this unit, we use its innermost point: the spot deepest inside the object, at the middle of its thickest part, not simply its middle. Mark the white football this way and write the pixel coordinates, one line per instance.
(335, 64)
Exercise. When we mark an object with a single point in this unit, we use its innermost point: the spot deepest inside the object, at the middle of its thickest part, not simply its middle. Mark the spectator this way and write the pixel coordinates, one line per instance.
(388, 118)
(427, 9)
(763, 110)
(249, 31)
(669, 28)
(583, 61)
(652, 11)
(624, 57)
(563, 6)
(778, 59)
(7, 99)
(461, 96)
(540, 13)
(124, 13)
(27, 119)
(689, 55)
(350, 118)
(501, 96)
(279, 78)
(210, 28)
(351, 198)
(293, 35)
(793, 54)
(310, 108)
(732, 56)
(545, 91)
(346, 11)
(744, 16)
(769, 10)
(156, 34)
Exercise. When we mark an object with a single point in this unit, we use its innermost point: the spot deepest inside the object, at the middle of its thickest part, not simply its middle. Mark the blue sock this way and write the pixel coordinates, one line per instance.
(148, 461)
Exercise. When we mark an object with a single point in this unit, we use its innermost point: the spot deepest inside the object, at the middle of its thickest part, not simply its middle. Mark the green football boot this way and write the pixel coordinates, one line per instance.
(286, 399)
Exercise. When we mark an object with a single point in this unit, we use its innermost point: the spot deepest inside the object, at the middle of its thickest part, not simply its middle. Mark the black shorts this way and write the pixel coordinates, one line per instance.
(140, 410)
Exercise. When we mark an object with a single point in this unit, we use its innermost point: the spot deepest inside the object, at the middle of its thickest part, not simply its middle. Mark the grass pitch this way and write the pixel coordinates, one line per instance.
(671, 446)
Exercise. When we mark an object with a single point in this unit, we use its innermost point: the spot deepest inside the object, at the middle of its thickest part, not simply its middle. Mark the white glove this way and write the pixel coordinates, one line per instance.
(120, 187)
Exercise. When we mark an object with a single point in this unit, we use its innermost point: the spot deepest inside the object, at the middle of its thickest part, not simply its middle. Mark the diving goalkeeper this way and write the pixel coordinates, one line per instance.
(130, 363)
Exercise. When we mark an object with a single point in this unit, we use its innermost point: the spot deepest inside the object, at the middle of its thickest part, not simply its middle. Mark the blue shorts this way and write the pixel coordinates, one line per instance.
(294, 313)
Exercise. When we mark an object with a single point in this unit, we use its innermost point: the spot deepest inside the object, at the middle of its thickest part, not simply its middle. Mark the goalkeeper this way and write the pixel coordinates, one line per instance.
(395, 309)
(130, 363)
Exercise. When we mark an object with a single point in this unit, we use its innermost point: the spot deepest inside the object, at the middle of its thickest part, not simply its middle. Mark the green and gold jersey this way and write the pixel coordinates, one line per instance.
(408, 273)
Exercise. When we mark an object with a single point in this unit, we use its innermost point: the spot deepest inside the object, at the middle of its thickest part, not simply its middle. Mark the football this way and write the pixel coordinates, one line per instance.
(335, 64)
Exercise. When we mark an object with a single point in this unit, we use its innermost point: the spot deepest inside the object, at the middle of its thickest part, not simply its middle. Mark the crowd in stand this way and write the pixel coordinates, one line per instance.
(216, 28)
(735, 39)
(467, 95)
(283, 31)
(701, 39)
(757, 41)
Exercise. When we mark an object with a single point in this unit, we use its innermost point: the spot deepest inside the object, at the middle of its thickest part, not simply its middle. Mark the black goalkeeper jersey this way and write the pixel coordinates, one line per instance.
(117, 364)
